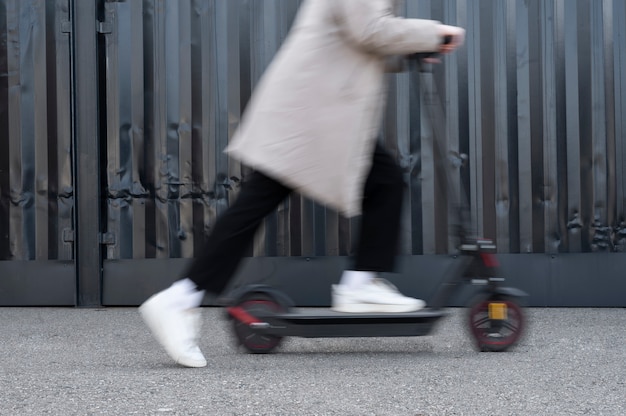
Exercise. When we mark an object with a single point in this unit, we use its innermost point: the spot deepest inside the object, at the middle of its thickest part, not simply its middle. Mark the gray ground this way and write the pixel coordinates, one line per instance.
(104, 362)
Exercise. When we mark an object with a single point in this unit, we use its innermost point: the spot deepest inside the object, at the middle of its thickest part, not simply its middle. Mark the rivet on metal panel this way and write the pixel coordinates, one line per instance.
(107, 239)
(105, 27)
(66, 26)
(68, 235)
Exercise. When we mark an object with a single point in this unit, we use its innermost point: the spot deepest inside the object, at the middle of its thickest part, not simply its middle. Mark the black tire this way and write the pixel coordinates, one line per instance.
(501, 333)
(251, 340)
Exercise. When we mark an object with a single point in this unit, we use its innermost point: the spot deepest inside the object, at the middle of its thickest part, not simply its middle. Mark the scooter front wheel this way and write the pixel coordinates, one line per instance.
(496, 322)
(252, 340)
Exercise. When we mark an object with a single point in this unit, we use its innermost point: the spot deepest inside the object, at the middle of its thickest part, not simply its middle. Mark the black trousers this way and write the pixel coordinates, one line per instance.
(234, 231)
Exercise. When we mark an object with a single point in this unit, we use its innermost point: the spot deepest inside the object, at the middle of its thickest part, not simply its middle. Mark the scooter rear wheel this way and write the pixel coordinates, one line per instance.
(496, 322)
(253, 341)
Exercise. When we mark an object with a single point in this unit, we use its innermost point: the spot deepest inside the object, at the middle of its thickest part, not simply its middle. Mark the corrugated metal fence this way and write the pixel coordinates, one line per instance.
(537, 99)
(36, 184)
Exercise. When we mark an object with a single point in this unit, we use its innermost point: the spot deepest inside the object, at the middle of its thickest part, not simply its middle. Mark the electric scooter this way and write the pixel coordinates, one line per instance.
(262, 316)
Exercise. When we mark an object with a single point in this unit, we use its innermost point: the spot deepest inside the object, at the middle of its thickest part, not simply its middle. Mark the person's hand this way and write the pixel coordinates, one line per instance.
(456, 35)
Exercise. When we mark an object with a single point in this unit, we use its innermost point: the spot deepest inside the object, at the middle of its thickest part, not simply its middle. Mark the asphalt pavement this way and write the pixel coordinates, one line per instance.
(66, 361)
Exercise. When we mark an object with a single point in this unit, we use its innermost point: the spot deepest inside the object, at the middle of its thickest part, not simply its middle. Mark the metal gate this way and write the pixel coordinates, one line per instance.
(116, 114)
(36, 174)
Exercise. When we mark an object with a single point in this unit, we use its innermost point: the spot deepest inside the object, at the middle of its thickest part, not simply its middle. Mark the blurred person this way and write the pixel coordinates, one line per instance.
(311, 127)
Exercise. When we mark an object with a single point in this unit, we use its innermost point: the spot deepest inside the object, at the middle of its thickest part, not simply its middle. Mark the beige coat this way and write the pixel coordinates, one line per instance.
(313, 120)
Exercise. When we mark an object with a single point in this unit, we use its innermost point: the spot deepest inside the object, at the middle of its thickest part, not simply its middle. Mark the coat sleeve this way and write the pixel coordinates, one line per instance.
(372, 27)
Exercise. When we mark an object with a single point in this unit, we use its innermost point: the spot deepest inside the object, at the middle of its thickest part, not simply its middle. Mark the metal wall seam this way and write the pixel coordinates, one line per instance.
(40, 171)
(560, 239)
(162, 174)
(476, 115)
(619, 63)
(536, 30)
(216, 199)
(609, 122)
(524, 153)
(585, 86)
(452, 77)
(151, 160)
(5, 145)
(600, 238)
(550, 183)
(199, 28)
(486, 139)
(59, 102)
(116, 113)
(184, 130)
(137, 137)
(572, 132)
(502, 202)
(87, 152)
(18, 231)
(413, 205)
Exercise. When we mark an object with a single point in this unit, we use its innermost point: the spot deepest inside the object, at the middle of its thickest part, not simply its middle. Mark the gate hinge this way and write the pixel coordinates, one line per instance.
(68, 235)
(66, 26)
(107, 239)
(105, 27)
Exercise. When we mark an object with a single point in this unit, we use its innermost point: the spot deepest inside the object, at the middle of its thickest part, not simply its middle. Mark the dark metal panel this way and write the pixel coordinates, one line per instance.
(36, 191)
(37, 283)
(557, 280)
(36, 178)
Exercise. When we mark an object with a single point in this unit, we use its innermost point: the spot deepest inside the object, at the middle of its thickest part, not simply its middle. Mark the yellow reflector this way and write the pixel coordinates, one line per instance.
(497, 311)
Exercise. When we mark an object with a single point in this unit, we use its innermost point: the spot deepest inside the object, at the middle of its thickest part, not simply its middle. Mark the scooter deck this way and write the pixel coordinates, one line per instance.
(325, 323)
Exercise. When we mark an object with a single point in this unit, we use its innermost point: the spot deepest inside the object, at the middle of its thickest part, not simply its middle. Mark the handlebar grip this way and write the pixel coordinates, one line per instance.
(424, 55)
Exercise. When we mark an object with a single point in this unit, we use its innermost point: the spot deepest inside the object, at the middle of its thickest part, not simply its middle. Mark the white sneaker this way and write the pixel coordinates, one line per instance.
(175, 329)
(376, 296)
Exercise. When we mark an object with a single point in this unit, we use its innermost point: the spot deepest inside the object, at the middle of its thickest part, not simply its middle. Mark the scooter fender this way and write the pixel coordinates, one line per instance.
(488, 292)
(511, 291)
(238, 295)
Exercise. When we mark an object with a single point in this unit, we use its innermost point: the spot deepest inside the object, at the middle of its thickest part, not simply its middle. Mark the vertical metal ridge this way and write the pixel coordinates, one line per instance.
(160, 132)
(585, 91)
(550, 182)
(40, 170)
(18, 232)
(574, 218)
(599, 231)
(609, 118)
(5, 145)
(502, 194)
(524, 153)
(138, 186)
(619, 63)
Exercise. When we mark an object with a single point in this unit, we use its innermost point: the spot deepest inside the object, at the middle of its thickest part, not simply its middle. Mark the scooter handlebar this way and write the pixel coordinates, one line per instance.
(422, 56)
